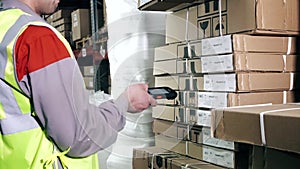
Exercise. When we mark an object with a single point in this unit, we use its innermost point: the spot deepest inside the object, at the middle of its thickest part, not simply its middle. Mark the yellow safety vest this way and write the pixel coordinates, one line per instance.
(23, 143)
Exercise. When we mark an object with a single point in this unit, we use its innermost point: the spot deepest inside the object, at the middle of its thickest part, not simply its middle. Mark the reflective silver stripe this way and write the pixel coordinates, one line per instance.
(7, 97)
(17, 123)
(8, 101)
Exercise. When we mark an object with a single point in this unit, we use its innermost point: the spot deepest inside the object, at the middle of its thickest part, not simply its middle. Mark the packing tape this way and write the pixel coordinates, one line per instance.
(245, 106)
(187, 33)
(262, 123)
(187, 25)
(284, 63)
(187, 67)
(220, 17)
(191, 82)
(284, 99)
(291, 80)
(188, 138)
(289, 45)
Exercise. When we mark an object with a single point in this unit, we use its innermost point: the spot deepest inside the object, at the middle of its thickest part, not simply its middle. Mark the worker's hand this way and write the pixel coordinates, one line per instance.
(138, 98)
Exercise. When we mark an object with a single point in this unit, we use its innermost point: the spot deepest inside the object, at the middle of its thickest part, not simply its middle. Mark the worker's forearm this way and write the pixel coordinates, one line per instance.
(61, 103)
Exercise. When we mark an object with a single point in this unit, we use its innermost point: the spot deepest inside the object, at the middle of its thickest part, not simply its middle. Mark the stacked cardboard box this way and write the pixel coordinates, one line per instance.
(61, 20)
(274, 126)
(80, 24)
(251, 16)
(88, 76)
(236, 54)
(158, 158)
(272, 129)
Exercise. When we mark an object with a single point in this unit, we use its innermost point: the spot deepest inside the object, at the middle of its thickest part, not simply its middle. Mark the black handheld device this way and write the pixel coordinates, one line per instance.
(162, 93)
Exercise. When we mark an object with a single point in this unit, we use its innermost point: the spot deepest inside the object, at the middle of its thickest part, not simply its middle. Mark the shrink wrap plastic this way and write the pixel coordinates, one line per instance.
(132, 37)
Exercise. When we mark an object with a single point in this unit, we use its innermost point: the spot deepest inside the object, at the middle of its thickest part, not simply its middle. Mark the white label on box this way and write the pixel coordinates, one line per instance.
(203, 118)
(222, 63)
(212, 99)
(220, 82)
(217, 45)
(83, 52)
(75, 20)
(92, 70)
(219, 156)
(208, 140)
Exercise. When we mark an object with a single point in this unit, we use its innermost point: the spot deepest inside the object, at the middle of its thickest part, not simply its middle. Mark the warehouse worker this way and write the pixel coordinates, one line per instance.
(45, 118)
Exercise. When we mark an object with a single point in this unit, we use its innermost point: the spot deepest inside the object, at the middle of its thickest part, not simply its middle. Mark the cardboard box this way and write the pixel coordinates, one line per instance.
(199, 117)
(171, 144)
(248, 43)
(191, 49)
(193, 82)
(62, 21)
(195, 66)
(209, 23)
(257, 17)
(275, 126)
(184, 83)
(208, 166)
(89, 82)
(164, 67)
(88, 71)
(182, 67)
(191, 116)
(223, 99)
(251, 16)
(64, 27)
(241, 43)
(169, 81)
(143, 157)
(207, 139)
(164, 112)
(263, 16)
(80, 24)
(162, 161)
(222, 157)
(248, 62)
(176, 25)
(154, 157)
(62, 13)
(198, 134)
(245, 82)
(165, 52)
(170, 129)
(186, 162)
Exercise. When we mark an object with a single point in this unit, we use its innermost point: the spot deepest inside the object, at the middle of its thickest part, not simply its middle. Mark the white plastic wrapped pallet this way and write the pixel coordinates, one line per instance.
(133, 35)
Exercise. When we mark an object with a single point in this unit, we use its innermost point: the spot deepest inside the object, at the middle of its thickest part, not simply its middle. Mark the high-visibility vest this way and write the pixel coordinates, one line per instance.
(23, 143)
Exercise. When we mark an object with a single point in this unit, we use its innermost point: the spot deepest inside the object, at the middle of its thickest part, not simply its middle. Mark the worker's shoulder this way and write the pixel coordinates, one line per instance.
(38, 30)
